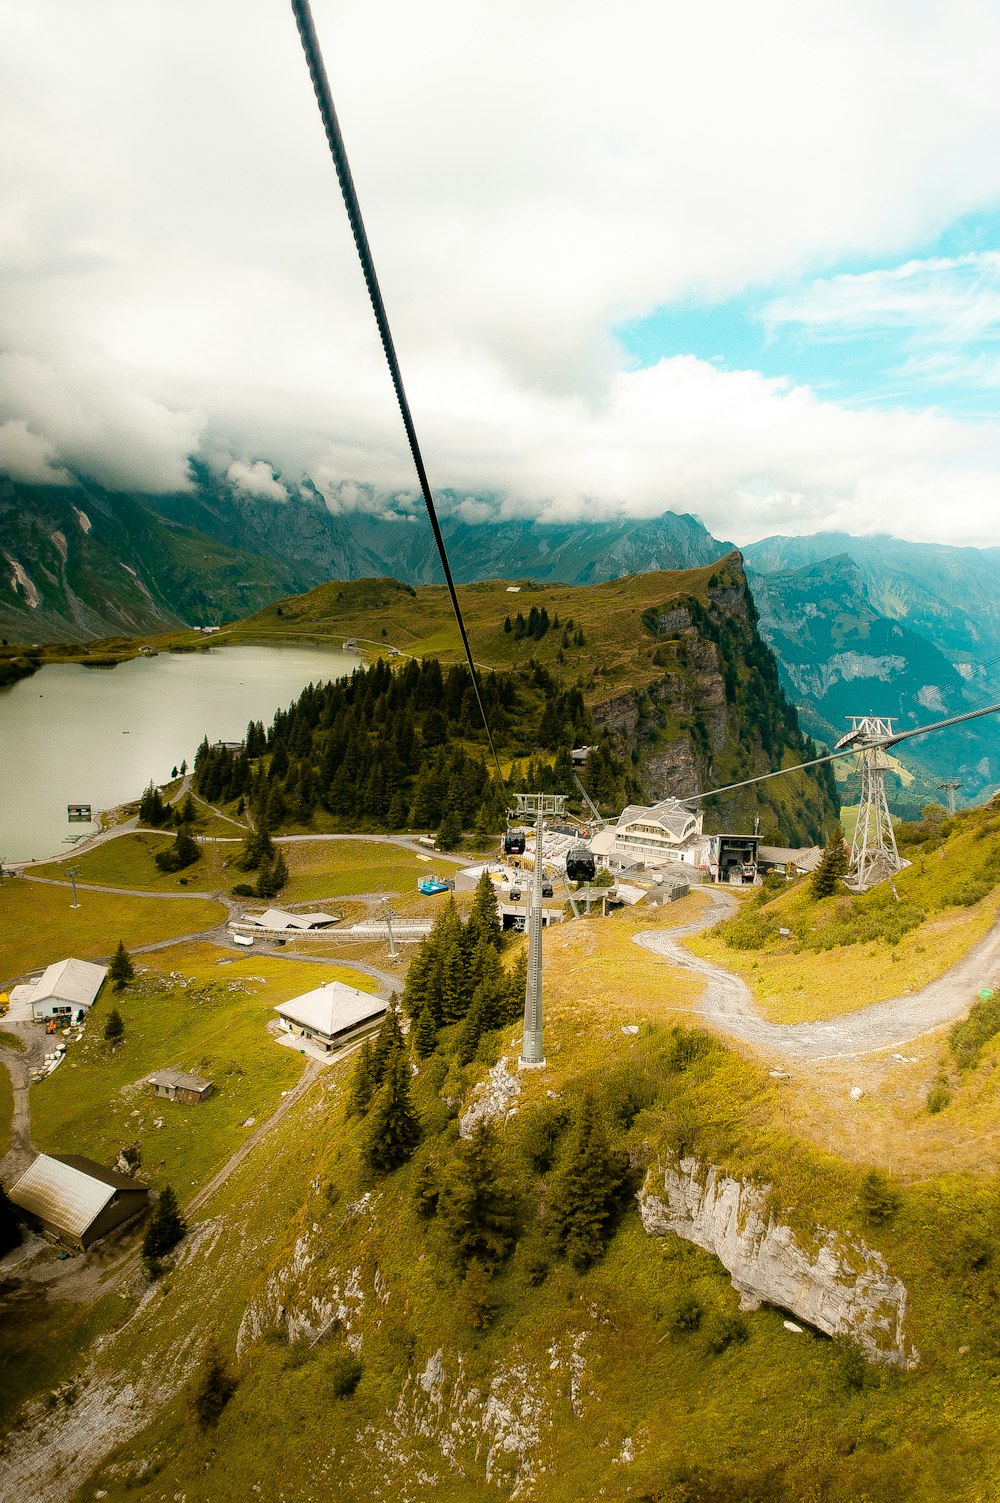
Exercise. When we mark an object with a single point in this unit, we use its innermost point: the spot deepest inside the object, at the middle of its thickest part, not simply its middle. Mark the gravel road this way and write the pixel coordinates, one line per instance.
(728, 1005)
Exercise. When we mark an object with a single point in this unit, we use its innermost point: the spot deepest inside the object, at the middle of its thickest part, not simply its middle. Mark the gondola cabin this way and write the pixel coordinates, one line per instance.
(580, 865)
(513, 843)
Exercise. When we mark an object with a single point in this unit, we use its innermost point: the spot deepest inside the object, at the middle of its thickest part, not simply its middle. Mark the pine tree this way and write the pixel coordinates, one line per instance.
(392, 1130)
(388, 1042)
(114, 1028)
(585, 1190)
(121, 970)
(152, 810)
(425, 1034)
(449, 831)
(187, 813)
(835, 862)
(471, 1031)
(165, 1230)
(477, 1211)
(182, 852)
(363, 1083)
(257, 847)
(212, 1390)
(484, 920)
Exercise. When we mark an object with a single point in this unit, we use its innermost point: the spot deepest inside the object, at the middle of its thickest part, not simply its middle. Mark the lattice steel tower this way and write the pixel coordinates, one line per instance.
(874, 856)
(538, 804)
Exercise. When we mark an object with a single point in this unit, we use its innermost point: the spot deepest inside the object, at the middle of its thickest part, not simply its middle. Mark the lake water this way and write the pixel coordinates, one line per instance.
(72, 735)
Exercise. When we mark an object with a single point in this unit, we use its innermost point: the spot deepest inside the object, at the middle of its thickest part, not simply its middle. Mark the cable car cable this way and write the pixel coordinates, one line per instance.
(335, 141)
(851, 751)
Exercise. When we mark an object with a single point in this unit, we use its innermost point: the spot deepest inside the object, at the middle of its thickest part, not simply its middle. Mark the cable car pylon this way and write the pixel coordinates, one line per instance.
(532, 1049)
(874, 855)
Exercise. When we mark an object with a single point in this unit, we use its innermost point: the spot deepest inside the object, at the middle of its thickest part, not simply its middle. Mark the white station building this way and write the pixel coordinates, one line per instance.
(665, 834)
(330, 1015)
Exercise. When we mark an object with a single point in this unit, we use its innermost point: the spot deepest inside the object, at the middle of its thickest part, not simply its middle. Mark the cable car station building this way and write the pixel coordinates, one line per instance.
(667, 834)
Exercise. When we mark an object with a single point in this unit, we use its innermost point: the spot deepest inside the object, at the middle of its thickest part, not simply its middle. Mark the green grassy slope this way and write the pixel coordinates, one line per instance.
(585, 1385)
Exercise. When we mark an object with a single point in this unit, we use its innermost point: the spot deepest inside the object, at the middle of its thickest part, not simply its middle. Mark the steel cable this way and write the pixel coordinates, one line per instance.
(335, 141)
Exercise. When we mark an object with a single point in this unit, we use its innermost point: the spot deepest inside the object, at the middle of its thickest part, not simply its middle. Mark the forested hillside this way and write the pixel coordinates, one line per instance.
(664, 678)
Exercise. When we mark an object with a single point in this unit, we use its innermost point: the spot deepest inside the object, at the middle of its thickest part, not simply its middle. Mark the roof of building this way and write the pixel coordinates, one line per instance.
(74, 981)
(806, 857)
(67, 1190)
(179, 1080)
(673, 817)
(279, 918)
(331, 1008)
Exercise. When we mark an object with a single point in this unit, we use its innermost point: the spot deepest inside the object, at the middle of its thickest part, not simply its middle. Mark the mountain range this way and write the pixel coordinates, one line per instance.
(859, 625)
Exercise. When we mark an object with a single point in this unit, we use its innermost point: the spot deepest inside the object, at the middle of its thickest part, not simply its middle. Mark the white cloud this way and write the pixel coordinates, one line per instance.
(256, 479)
(25, 456)
(953, 300)
(180, 272)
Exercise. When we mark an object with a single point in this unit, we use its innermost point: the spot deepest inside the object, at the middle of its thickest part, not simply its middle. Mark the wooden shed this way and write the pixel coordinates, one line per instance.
(178, 1085)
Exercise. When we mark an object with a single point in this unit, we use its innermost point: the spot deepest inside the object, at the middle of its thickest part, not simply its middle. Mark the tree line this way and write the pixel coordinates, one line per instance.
(476, 1195)
(403, 749)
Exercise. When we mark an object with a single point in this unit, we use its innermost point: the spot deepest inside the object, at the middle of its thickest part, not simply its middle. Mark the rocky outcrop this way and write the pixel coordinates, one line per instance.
(843, 1288)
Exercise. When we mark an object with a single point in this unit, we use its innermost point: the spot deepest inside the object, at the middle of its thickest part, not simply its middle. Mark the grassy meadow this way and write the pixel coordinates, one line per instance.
(196, 1008)
(844, 952)
(38, 924)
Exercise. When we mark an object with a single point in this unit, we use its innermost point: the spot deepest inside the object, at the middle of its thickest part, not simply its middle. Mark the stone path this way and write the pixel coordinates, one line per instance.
(727, 1002)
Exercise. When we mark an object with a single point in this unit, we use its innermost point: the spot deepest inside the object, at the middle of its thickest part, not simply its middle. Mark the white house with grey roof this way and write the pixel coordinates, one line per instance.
(664, 834)
(76, 1200)
(66, 988)
(331, 1015)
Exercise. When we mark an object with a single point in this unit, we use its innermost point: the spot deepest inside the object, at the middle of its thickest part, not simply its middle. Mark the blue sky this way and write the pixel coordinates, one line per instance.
(919, 330)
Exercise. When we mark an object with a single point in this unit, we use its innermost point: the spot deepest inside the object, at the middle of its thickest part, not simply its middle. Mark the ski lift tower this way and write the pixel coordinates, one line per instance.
(538, 804)
(874, 857)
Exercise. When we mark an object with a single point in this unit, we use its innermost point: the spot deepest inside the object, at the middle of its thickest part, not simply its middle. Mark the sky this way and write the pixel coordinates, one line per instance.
(739, 259)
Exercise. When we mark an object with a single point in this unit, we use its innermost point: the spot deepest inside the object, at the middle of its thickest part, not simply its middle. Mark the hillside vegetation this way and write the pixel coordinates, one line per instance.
(668, 668)
(446, 1329)
(846, 951)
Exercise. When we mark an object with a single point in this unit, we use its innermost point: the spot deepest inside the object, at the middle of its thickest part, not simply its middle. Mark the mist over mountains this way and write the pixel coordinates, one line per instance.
(859, 624)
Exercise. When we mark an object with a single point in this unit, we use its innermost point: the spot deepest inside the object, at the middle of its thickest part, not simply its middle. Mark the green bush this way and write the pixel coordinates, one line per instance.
(938, 1097)
(877, 1198)
(684, 1315)
(345, 1371)
(724, 1329)
(969, 1037)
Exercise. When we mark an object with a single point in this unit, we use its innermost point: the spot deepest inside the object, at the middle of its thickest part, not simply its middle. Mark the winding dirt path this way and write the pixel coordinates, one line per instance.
(727, 1002)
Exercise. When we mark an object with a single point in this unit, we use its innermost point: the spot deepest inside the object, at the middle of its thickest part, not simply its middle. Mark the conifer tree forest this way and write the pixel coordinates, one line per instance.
(405, 749)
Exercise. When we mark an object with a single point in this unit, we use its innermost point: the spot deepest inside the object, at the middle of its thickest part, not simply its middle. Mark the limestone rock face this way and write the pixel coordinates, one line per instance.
(843, 1288)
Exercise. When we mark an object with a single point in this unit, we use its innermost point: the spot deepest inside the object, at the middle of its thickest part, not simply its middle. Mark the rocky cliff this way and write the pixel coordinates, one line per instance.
(843, 1288)
(717, 715)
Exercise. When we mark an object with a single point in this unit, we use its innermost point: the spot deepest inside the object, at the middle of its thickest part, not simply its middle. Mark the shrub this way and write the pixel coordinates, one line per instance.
(969, 1037)
(877, 1198)
(939, 1096)
(213, 1387)
(114, 1028)
(684, 1315)
(724, 1329)
(345, 1374)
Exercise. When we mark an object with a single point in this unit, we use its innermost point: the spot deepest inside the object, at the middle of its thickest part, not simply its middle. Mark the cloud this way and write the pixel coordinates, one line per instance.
(256, 479)
(531, 176)
(85, 412)
(25, 456)
(945, 300)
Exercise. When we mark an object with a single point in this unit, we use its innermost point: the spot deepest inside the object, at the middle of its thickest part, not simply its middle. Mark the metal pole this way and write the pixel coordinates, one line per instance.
(393, 952)
(532, 1053)
(73, 873)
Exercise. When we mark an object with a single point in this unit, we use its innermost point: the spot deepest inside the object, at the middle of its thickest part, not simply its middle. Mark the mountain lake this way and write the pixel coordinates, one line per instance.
(98, 736)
